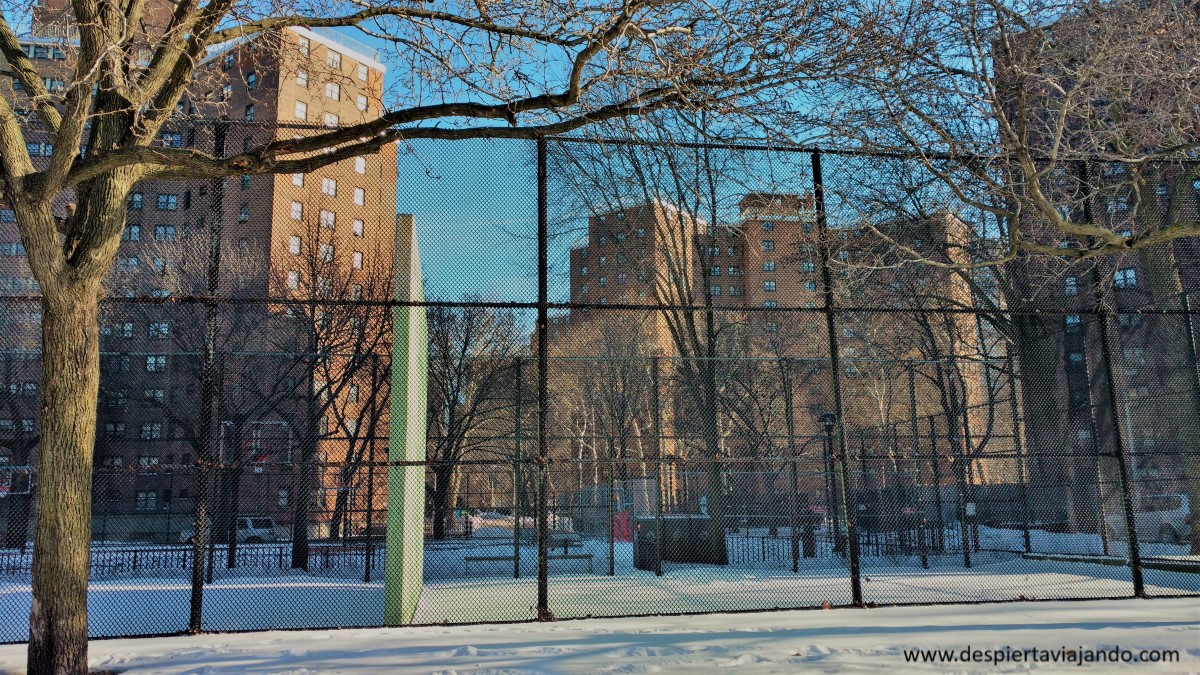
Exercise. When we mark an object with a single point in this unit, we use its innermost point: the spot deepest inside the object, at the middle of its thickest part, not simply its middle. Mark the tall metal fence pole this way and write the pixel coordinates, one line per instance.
(543, 322)
(201, 532)
(658, 455)
(1019, 446)
(1104, 314)
(518, 474)
(790, 419)
(824, 243)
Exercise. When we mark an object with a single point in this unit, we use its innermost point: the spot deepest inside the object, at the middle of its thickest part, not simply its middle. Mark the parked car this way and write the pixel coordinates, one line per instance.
(250, 530)
(1165, 518)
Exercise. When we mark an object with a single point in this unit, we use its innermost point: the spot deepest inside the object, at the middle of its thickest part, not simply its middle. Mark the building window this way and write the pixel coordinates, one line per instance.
(293, 279)
(603, 281)
(714, 271)
(360, 196)
(227, 92)
(134, 202)
(328, 219)
(356, 259)
(171, 140)
(768, 244)
(769, 285)
(302, 78)
(326, 252)
(1071, 286)
(168, 202)
(301, 110)
(250, 113)
(164, 233)
(1075, 359)
(331, 120)
(734, 291)
(245, 182)
(151, 431)
(362, 72)
(302, 45)
(1128, 321)
(333, 90)
(281, 497)
(251, 80)
(770, 304)
(808, 267)
(714, 290)
(768, 266)
(244, 213)
(147, 500)
(132, 233)
(156, 363)
(356, 228)
(227, 62)
(294, 245)
(333, 59)
(810, 285)
(298, 179)
(297, 210)
(1071, 323)
(160, 330)
(329, 187)
(361, 102)
(772, 327)
(1125, 277)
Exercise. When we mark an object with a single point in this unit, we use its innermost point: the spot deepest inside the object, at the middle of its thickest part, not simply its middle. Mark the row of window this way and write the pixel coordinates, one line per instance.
(120, 363)
(161, 233)
(166, 201)
(1125, 278)
(43, 52)
(158, 330)
(19, 284)
(27, 426)
(21, 388)
(12, 249)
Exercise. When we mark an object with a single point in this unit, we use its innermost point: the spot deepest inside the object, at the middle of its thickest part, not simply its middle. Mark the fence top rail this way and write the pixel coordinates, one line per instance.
(613, 307)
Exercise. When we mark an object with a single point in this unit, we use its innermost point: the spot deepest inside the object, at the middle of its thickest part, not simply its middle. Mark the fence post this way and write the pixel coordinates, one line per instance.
(518, 475)
(790, 419)
(1096, 467)
(1022, 468)
(657, 421)
(1103, 313)
(1135, 553)
(937, 481)
(543, 539)
(824, 244)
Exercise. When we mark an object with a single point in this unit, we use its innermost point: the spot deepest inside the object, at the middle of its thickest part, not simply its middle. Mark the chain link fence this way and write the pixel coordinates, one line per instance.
(662, 378)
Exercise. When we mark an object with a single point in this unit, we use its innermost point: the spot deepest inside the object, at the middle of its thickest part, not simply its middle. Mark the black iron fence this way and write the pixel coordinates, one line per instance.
(659, 380)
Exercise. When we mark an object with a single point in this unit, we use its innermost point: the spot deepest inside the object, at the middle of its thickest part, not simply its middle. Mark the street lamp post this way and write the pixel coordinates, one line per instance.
(828, 421)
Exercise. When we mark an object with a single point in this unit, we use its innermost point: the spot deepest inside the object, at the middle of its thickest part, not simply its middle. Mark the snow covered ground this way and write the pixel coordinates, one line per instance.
(152, 598)
(841, 640)
(157, 605)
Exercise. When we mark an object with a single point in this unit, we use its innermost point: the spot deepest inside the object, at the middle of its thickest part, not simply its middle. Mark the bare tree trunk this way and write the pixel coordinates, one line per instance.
(62, 539)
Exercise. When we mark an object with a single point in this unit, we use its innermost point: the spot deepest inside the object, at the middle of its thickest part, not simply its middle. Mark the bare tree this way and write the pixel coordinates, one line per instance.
(473, 353)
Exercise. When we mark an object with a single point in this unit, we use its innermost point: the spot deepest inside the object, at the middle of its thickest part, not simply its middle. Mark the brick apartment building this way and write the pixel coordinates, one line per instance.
(300, 238)
(654, 254)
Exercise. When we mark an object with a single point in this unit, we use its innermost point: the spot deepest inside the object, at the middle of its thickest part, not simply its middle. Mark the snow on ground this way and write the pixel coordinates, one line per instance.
(295, 600)
(842, 640)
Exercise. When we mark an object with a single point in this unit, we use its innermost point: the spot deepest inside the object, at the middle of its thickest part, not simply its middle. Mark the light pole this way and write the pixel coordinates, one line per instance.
(828, 420)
